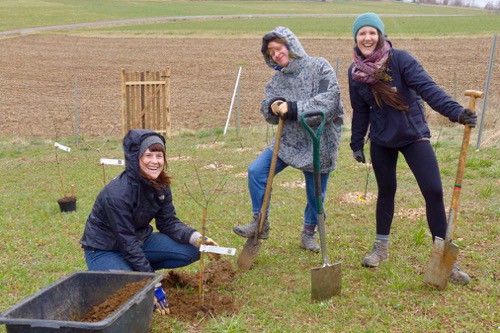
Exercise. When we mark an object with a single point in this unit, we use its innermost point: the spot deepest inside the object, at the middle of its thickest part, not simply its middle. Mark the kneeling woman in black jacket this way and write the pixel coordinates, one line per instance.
(118, 234)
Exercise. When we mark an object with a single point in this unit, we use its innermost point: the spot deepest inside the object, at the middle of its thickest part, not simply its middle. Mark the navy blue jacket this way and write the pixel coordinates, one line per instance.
(122, 213)
(394, 128)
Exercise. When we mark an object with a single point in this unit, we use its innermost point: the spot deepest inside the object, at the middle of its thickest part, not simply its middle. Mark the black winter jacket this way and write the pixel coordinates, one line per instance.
(394, 128)
(122, 213)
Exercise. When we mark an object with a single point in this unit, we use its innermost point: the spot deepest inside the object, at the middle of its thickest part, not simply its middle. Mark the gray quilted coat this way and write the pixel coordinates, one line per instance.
(311, 84)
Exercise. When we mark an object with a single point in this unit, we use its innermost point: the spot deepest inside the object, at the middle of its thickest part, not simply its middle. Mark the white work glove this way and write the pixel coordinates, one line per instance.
(208, 241)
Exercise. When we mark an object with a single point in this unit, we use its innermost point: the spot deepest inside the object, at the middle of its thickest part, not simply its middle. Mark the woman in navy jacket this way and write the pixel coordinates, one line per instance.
(118, 234)
(387, 88)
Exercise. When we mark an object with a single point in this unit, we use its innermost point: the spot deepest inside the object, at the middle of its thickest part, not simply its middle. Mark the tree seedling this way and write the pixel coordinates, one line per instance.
(68, 202)
(206, 202)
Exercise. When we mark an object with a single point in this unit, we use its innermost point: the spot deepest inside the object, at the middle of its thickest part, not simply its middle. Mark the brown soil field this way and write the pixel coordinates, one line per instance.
(41, 77)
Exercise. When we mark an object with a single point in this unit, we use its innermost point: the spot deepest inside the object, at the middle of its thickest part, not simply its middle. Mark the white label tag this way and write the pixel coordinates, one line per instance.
(60, 146)
(112, 161)
(218, 249)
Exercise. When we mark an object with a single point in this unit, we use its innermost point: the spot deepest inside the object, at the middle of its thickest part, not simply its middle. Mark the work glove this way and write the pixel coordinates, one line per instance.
(468, 117)
(283, 109)
(275, 107)
(359, 156)
(161, 303)
(279, 108)
(209, 241)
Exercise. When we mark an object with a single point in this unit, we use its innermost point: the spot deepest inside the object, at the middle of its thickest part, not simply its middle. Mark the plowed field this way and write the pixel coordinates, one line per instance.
(43, 77)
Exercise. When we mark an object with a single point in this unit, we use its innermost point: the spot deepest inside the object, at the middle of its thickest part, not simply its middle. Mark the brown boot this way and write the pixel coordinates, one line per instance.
(250, 229)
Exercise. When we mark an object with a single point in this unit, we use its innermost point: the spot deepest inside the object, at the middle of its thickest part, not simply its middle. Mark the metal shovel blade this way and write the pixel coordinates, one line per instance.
(444, 255)
(248, 253)
(326, 281)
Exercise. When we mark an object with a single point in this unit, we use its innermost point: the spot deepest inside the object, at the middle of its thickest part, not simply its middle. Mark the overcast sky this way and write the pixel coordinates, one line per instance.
(482, 3)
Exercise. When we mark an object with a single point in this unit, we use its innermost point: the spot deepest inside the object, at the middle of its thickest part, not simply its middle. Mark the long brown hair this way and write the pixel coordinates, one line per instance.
(163, 180)
(382, 90)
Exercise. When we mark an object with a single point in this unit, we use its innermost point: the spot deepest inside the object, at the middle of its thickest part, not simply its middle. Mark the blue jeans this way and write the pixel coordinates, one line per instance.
(161, 251)
(258, 172)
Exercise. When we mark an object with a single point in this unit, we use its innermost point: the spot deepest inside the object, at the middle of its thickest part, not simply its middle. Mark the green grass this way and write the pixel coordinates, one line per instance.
(41, 244)
(309, 27)
(19, 14)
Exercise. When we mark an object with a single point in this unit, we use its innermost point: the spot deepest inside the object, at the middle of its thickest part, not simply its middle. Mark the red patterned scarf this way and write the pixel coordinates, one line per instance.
(371, 69)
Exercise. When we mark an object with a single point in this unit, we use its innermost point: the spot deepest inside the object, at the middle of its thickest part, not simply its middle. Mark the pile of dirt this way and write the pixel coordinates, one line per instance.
(183, 293)
(106, 308)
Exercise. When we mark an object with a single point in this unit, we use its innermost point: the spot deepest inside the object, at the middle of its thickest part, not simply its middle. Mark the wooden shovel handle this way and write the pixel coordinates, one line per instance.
(473, 95)
(270, 178)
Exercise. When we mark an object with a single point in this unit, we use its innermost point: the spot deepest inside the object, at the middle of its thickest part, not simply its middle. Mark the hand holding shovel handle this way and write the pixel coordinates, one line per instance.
(473, 95)
(445, 253)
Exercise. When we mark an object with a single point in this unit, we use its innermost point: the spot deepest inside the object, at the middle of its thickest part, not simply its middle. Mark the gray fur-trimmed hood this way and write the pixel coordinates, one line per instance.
(293, 45)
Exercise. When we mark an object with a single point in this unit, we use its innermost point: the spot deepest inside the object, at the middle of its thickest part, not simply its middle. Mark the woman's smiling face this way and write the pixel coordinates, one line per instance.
(279, 53)
(152, 163)
(367, 40)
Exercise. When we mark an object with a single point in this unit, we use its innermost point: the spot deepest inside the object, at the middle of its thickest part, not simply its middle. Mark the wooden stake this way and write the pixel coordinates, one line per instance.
(200, 274)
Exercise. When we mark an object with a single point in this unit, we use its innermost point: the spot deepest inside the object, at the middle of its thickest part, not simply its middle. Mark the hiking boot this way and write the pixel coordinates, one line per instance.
(308, 242)
(250, 229)
(458, 276)
(380, 252)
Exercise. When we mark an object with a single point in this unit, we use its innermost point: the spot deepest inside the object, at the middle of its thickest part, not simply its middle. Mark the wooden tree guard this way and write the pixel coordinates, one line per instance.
(146, 101)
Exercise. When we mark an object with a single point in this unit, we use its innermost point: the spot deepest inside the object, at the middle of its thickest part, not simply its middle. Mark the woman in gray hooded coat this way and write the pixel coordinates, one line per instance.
(300, 84)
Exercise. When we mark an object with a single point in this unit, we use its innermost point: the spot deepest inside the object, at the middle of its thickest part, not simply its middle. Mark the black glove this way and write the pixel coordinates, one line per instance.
(468, 117)
(359, 156)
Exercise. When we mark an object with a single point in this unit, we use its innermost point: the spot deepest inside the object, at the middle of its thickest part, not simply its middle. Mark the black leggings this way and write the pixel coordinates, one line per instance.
(423, 163)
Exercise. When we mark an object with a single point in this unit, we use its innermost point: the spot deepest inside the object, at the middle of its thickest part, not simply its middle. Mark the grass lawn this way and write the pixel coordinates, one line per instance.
(20, 14)
(43, 244)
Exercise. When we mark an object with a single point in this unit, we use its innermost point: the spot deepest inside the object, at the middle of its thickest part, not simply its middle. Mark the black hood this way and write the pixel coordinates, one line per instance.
(131, 144)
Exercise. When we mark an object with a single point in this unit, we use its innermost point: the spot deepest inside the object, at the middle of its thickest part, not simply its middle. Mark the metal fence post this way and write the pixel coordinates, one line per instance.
(483, 112)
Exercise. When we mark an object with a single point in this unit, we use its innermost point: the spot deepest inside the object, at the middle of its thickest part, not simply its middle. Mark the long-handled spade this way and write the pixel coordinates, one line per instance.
(253, 244)
(326, 280)
(444, 253)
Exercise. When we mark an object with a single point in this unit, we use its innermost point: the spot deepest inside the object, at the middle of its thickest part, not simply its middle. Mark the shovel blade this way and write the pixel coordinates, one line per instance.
(444, 255)
(326, 281)
(248, 253)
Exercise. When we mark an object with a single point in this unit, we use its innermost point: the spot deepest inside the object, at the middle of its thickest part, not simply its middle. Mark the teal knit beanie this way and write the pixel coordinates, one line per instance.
(371, 19)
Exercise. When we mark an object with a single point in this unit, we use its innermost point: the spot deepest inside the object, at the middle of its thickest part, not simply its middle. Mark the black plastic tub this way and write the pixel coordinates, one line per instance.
(60, 306)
